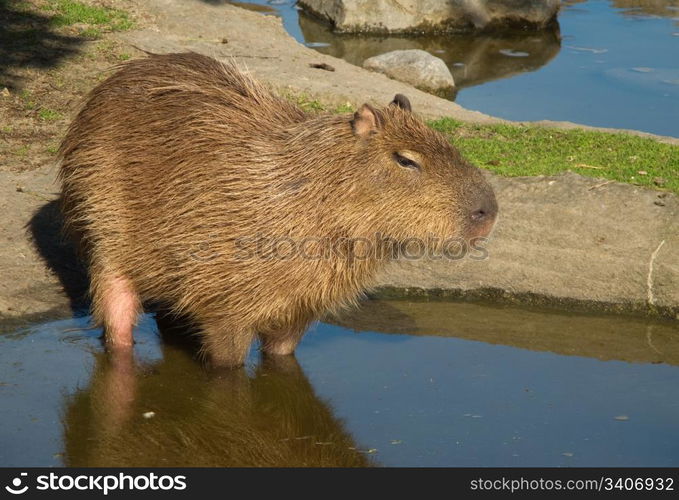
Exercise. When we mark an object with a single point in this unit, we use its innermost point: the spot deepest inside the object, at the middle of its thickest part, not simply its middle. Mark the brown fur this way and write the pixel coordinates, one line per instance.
(176, 158)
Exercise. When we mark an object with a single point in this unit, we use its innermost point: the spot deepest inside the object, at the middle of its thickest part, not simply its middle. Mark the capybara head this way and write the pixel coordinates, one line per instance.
(414, 183)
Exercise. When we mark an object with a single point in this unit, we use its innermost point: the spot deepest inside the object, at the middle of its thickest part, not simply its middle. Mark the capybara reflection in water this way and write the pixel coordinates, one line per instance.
(186, 182)
(269, 417)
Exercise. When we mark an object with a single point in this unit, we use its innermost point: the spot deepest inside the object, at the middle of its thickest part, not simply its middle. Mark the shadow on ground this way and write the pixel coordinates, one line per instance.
(57, 251)
(28, 40)
(59, 254)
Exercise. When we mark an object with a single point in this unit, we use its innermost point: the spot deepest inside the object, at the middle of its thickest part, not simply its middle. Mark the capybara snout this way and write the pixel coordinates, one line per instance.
(188, 183)
(483, 212)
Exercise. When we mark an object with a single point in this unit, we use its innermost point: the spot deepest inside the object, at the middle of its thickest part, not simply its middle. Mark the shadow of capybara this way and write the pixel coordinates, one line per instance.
(47, 234)
(187, 182)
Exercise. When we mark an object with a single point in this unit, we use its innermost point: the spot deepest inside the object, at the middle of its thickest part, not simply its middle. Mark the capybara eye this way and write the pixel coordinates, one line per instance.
(406, 162)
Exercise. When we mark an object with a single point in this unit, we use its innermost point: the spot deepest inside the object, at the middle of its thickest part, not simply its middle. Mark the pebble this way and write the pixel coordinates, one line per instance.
(323, 66)
(513, 53)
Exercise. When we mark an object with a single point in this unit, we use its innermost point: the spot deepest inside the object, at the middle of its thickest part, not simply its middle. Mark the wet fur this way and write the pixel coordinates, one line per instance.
(177, 161)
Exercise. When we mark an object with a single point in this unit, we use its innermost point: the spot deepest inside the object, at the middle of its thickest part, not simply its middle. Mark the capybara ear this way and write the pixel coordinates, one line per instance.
(402, 102)
(366, 121)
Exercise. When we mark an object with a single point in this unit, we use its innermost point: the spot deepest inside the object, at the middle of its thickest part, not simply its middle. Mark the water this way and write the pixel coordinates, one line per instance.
(395, 383)
(614, 64)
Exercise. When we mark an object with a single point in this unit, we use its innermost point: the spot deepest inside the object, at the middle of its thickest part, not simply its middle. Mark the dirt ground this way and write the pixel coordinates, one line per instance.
(45, 73)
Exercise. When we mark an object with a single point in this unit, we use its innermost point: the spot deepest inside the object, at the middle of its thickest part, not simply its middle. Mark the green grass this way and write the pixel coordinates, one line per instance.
(91, 33)
(306, 103)
(27, 99)
(344, 108)
(68, 12)
(49, 115)
(515, 150)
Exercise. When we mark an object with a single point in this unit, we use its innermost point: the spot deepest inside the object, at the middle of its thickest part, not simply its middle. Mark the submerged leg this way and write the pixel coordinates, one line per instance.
(282, 342)
(225, 346)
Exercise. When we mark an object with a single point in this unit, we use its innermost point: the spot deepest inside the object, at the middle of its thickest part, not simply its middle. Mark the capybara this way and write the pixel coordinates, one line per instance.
(187, 183)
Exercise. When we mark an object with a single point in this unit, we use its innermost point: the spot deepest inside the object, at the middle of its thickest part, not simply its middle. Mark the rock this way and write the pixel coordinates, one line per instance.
(80, 27)
(416, 67)
(430, 16)
(472, 59)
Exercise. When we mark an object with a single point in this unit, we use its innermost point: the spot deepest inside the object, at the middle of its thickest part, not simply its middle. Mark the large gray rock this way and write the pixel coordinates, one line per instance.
(416, 67)
(394, 16)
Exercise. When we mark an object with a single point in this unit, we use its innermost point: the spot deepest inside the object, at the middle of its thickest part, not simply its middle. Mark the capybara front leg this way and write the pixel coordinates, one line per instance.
(225, 346)
(282, 342)
(116, 306)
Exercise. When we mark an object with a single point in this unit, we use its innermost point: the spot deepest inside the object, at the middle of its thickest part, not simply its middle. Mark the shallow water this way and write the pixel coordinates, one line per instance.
(395, 383)
(615, 63)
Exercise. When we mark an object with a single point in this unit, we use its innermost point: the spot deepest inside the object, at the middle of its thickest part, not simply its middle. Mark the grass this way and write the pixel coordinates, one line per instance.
(49, 115)
(306, 103)
(515, 150)
(97, 19)
(518, 150)
(344, 108)
(27, 99)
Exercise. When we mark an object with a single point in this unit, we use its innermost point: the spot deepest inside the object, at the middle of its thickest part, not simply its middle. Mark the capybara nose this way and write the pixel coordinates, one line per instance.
(483, 217)
(486, 210)
(479, 215)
